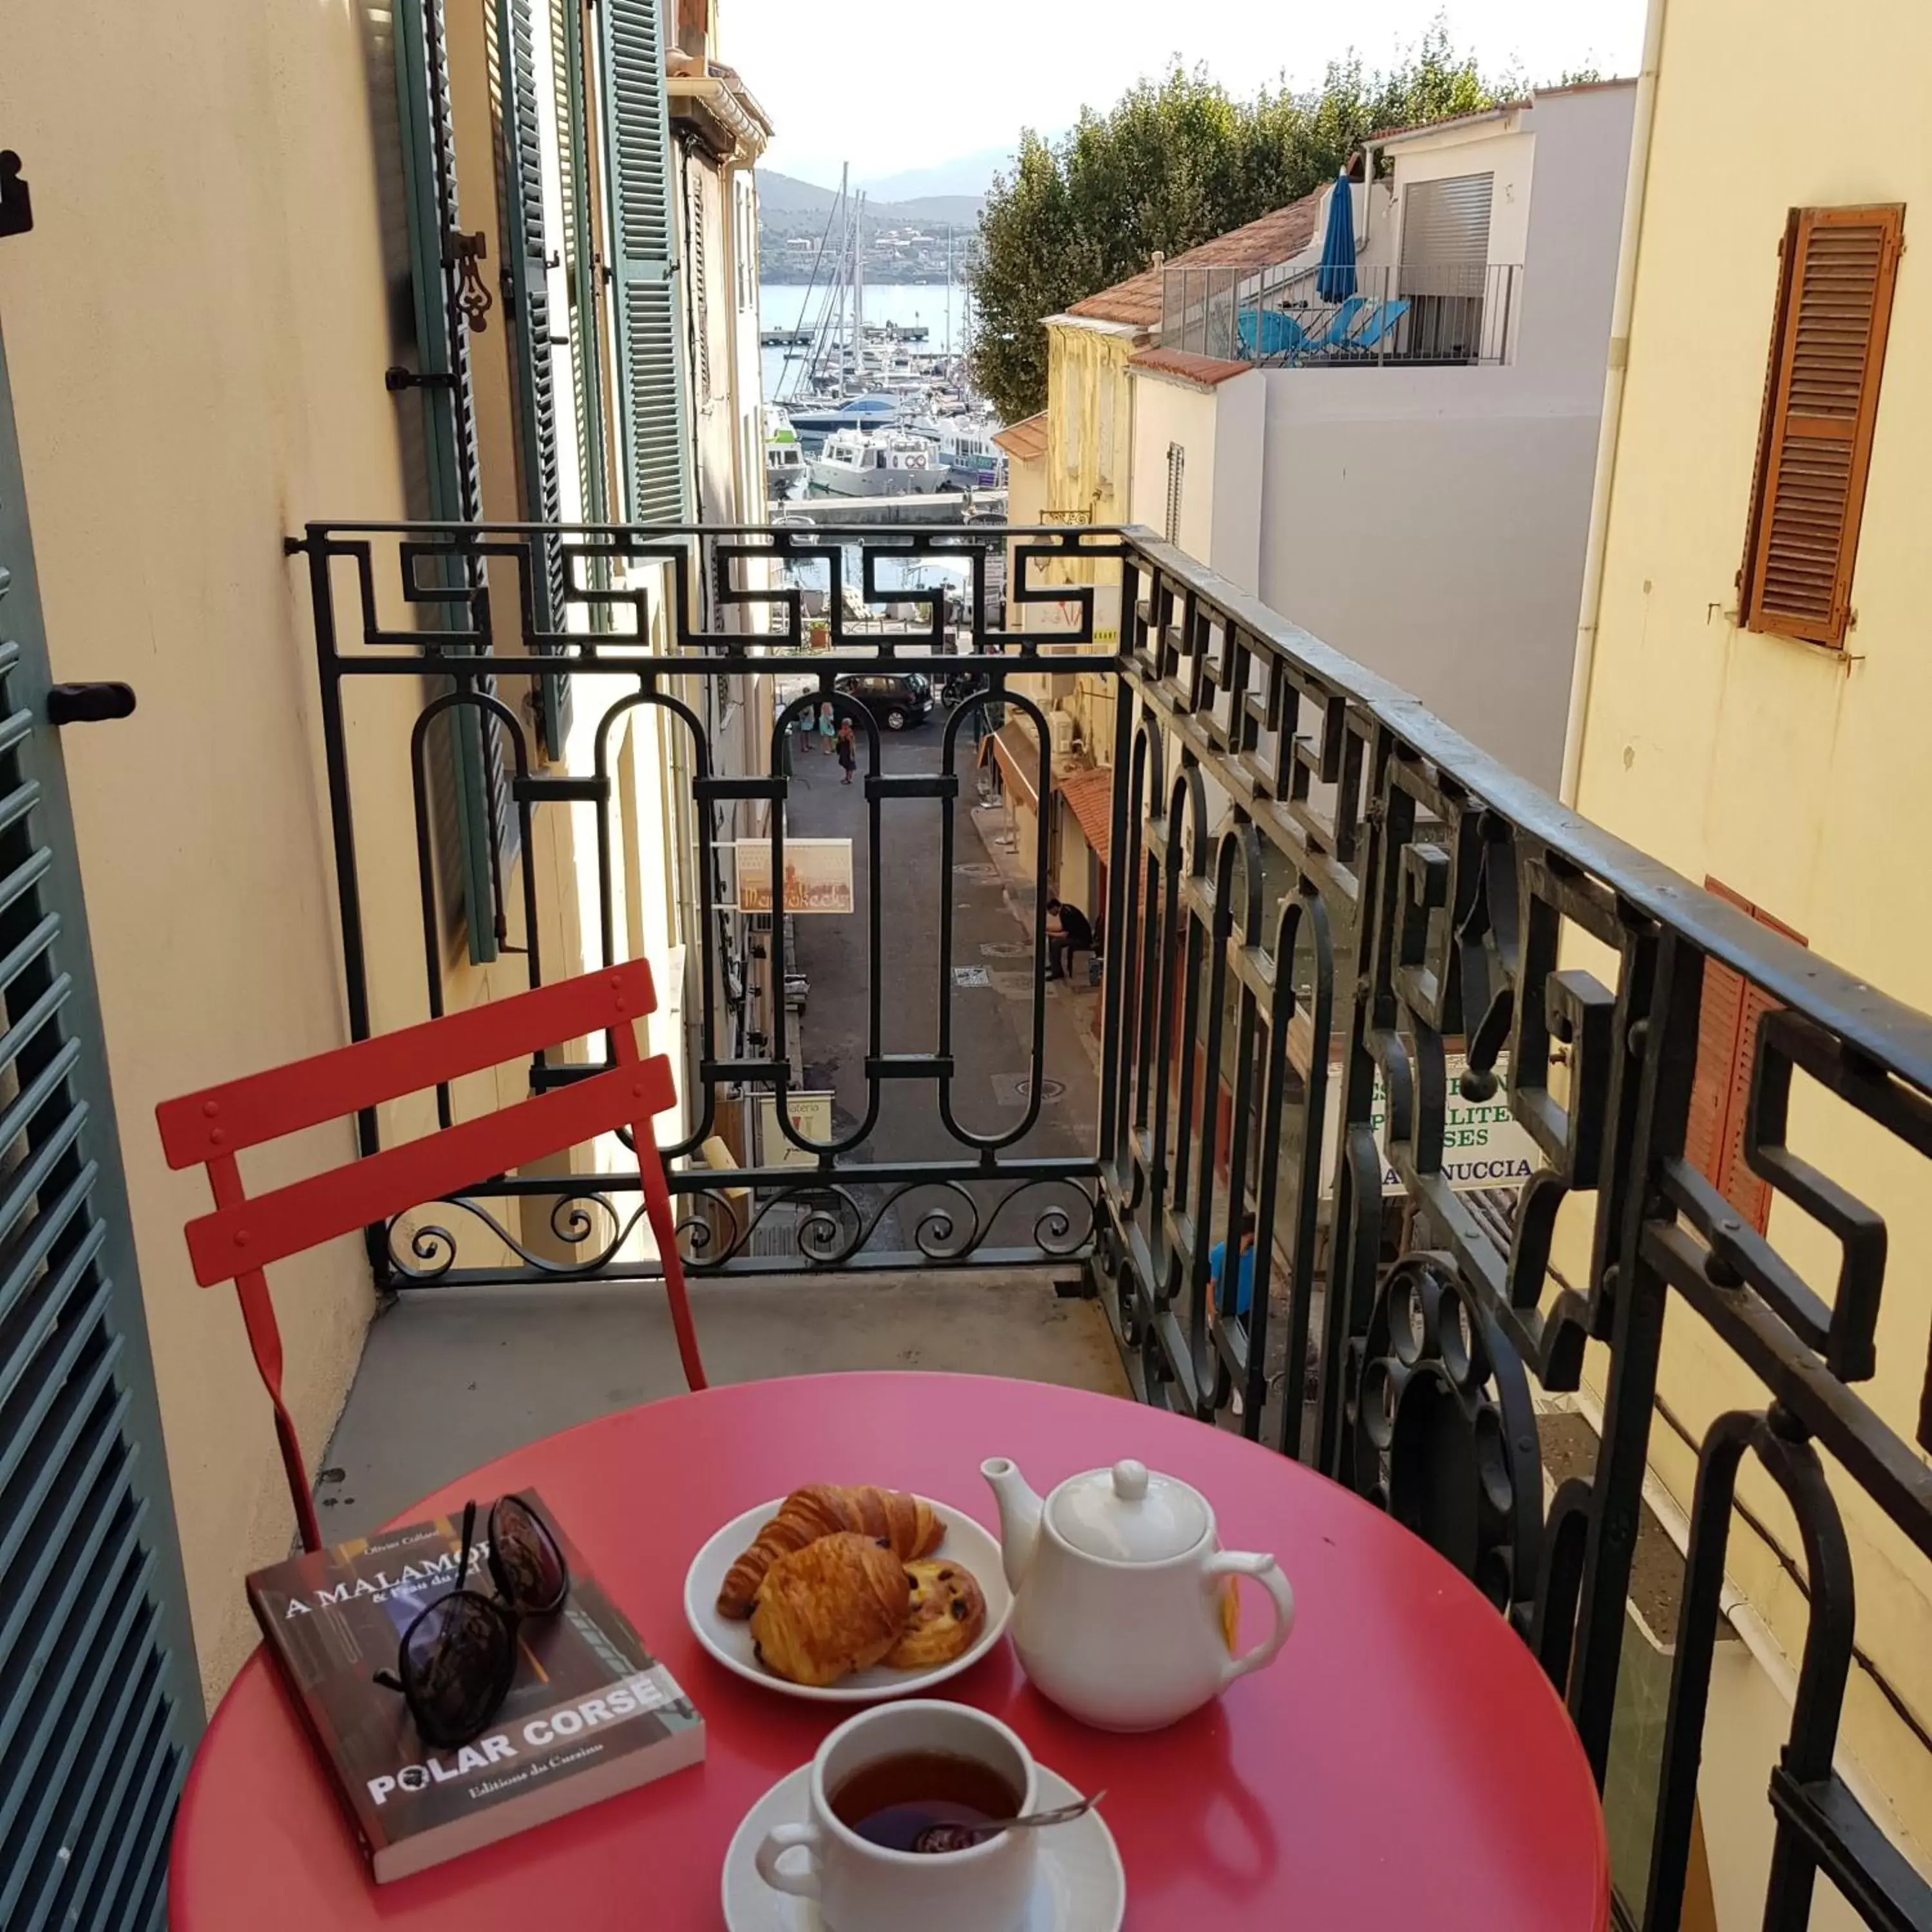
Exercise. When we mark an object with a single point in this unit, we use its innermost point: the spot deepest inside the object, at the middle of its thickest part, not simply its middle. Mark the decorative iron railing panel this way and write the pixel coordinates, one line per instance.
(1320, 900)
(656, 617)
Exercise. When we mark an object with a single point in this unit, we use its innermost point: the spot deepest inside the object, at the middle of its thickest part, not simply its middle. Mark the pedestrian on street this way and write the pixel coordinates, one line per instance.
(828, 728)
(848, 750)
(1068, 931)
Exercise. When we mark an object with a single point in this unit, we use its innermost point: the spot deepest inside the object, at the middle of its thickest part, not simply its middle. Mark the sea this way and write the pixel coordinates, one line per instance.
(780, 304)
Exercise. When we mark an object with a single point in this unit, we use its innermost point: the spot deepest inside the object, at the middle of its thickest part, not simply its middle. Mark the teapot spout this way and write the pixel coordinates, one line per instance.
(1019, 1516)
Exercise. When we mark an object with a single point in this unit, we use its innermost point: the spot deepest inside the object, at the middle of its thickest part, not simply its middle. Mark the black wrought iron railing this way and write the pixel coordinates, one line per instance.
(906, 1176)
(1332, 927)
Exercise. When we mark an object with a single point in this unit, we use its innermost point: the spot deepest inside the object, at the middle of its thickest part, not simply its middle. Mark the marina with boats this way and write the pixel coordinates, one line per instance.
(861, 405)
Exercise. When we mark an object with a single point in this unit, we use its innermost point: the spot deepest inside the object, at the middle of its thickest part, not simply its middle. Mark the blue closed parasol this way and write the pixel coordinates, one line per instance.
(1335, 280)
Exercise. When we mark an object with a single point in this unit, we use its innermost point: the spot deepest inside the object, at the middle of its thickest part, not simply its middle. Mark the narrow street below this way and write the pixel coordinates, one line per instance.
(989, 973)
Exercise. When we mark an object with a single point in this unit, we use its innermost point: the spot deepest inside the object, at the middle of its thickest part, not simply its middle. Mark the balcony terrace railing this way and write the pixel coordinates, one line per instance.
(1315, 885)
(1451, 314)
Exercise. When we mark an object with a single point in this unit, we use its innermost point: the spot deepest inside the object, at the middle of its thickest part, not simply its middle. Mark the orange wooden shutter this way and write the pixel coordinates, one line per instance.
(1821, 402)
(1734, 1179)
(1717, 1060)
(1728, 1017)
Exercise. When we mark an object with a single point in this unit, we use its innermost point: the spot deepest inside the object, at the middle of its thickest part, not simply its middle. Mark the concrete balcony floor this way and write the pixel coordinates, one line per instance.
(450, 1378)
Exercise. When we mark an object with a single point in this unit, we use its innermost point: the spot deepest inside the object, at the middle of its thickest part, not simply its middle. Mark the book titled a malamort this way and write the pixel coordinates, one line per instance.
(591, 1712)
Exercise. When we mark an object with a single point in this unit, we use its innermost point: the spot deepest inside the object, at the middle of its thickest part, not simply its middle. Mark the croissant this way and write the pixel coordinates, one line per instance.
(835, 1607)
(909, 1526)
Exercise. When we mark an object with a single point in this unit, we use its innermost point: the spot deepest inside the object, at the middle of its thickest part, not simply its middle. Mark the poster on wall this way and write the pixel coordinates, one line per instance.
(818, 875)
(810, 1114)
(1483, 1143)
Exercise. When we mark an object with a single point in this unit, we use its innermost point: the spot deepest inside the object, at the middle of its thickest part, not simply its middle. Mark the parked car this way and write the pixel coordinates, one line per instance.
(896, 698)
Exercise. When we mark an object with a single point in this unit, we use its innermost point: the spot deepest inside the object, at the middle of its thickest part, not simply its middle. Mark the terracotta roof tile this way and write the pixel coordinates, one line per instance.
(1025, 440)
(1274, 238)
(1206, 371)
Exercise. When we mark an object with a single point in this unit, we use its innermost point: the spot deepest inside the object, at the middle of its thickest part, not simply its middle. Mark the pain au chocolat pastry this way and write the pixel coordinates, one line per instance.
(944, 1619)
(835, 1607)
(909, 1527)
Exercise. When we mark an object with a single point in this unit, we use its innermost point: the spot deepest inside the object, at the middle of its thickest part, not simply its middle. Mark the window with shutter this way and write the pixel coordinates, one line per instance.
(1835, 282)
(1728, 1020)
(569, 81)
(526, 271)
(485, 824)
(650, 390)
(101, 1704)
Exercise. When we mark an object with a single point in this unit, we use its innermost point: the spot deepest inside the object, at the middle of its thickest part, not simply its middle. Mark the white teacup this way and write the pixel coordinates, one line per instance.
(862, 1887)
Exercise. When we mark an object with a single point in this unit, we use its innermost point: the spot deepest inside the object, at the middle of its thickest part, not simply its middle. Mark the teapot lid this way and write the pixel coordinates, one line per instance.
(1127, 1515)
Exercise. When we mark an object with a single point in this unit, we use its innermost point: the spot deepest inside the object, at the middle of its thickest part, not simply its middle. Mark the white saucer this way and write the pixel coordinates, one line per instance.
(1081, 1887)
(965, 1543)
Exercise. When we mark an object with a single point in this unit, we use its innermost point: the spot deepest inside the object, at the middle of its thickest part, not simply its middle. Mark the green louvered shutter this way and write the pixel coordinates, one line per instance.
(579, 265)
(485, 825)
(650, 384)
(526, 291)
(99, 1701)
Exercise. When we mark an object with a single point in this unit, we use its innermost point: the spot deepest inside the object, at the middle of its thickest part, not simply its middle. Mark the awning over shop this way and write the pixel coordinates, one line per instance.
(1018, 754)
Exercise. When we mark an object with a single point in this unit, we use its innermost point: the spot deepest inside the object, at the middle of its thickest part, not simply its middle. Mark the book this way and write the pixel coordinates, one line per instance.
(591, 1712)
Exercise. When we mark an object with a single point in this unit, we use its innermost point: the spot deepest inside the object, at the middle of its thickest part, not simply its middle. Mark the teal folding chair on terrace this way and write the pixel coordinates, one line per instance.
(1380, 325)
(1265, 333)
(1344, 322)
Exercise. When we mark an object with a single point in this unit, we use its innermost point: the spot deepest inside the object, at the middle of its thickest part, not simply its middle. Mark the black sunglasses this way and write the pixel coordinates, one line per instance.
(458, 1656)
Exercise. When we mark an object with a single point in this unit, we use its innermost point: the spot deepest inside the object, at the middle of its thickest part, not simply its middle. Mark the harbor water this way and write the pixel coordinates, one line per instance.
(906, 304)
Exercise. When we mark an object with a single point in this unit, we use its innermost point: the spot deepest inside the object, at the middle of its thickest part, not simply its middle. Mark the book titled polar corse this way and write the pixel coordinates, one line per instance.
(591, 1712)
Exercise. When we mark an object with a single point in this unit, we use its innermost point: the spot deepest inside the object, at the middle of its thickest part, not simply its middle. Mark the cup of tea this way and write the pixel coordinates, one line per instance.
(879, 1781)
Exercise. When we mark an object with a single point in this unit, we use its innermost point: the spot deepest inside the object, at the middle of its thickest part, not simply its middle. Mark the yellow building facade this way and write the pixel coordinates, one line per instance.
(1781, 769)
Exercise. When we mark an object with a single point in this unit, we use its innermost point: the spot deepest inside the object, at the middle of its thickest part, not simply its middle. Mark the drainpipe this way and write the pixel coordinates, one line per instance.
(1643, 116)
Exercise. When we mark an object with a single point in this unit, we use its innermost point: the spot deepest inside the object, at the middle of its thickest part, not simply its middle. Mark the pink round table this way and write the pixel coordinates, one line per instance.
(1403, 1764)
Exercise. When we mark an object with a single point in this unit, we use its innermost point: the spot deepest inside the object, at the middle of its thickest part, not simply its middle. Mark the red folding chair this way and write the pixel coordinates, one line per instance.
(245, 1236)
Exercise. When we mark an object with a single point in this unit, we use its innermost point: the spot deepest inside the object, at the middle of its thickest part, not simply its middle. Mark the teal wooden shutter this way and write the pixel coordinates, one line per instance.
(526, 292)
(579, 265)
(102, 1704)
(650, 384)
(484, 822)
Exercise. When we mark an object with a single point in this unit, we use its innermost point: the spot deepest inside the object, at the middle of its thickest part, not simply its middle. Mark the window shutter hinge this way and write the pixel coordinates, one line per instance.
(396, 378)
(462, 253)
(17, 202)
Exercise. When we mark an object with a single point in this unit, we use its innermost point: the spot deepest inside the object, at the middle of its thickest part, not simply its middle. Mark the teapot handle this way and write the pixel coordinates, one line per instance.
(1266, 1572)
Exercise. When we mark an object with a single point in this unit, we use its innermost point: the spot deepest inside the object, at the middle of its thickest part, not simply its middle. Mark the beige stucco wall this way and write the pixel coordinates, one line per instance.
(196, 331)
(1788, 771)
(1089, 421)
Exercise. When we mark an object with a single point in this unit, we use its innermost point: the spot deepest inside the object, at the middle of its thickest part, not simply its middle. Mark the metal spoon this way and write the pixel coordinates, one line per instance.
(961, 1837)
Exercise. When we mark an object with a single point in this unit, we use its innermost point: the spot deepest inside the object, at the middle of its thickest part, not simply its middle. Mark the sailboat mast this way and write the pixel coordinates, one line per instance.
(859, 289)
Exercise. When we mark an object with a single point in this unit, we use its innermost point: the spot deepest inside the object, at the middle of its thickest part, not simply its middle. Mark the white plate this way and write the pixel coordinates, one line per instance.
(965, 1543)
(1080, 1886)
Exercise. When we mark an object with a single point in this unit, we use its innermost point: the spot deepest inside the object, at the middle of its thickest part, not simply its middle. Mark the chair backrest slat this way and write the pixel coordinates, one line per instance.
(255, 1234)
(239, 1114)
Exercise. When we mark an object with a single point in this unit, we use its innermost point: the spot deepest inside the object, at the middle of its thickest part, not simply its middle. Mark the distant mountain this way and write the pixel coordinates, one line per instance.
(782, 195)
(930, 210)
(967, 175)
(792, 206)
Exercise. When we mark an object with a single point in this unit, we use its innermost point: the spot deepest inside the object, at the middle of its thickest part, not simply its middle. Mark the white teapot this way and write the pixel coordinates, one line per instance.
(1124, 1610)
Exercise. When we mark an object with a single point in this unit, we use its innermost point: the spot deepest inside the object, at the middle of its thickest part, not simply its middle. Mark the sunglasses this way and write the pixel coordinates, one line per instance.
(458, 1658)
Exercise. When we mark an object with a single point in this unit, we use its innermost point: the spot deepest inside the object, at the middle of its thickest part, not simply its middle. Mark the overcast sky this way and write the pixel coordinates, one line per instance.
(892, 85)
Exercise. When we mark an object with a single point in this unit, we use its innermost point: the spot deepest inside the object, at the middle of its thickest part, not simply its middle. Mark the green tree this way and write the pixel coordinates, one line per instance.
(1173, 163)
